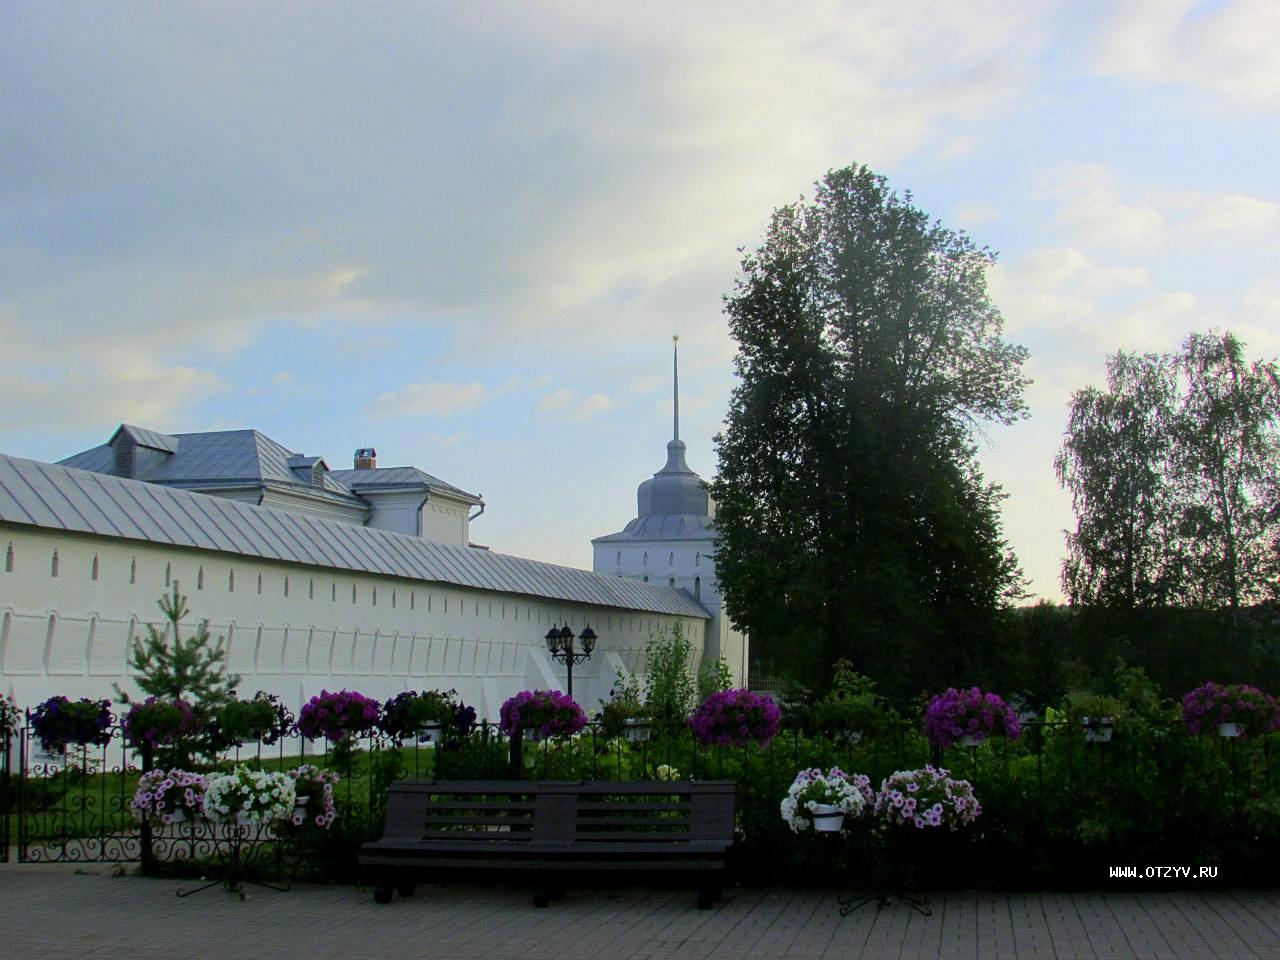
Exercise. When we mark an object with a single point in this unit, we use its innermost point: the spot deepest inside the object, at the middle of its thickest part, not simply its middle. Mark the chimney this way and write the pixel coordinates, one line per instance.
(366, 459)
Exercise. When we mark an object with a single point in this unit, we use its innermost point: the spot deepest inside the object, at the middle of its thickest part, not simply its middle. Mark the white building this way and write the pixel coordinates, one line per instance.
(672, 542)
(361, 578)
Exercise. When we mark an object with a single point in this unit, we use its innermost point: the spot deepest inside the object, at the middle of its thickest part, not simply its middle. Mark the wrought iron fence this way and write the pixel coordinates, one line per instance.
(75, 806)
(7, 781)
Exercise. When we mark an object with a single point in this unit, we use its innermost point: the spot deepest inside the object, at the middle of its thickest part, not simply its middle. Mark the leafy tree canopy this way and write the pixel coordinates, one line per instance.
(1173, 474)
(853, 518)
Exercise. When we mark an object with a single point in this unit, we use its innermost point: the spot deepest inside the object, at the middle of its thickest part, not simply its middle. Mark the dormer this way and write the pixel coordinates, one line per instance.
(309, 470)
(139, 451)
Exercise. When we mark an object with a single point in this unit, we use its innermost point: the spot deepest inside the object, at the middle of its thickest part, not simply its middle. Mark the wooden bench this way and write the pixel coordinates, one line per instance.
(551, 830)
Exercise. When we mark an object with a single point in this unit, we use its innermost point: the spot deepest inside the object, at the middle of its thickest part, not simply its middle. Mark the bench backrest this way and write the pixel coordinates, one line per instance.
(562, 813)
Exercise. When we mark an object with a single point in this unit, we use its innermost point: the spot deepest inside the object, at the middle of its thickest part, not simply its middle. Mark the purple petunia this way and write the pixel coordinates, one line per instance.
(956, 713)
(734, 717)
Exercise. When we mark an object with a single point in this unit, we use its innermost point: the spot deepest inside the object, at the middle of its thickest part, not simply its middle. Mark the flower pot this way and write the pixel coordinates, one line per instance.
(1230, 730)
(969, 740)
(827, 818)
(1098, 731)
(243, 820)
(849, 736)
(431, 733)
(177, 815)
(636, 730)
(300, 804)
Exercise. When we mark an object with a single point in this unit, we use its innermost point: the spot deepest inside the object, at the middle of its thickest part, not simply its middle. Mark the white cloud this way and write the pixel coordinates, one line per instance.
(567, 404)
(137, 392)
(973, 213)
(1228, 48)
(430, 399)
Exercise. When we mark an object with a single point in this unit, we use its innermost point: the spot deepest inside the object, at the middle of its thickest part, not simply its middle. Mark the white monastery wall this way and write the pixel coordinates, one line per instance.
(689, 566)
(70, 605)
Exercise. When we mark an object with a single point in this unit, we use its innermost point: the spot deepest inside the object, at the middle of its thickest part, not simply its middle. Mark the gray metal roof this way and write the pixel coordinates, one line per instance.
(407, 477)
(146, 438)
(57, 497)
(219, 458)
(664, 527)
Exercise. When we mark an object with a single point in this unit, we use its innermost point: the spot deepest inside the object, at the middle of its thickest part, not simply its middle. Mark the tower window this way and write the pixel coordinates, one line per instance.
(697, 588)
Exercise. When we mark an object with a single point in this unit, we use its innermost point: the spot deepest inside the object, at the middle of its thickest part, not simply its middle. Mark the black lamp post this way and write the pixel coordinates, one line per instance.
(560, 646)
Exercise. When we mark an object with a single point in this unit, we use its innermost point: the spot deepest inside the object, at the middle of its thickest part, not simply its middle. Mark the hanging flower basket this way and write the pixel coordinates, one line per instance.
(172, 796)
(249, 797)
(926, 799)
(968, 717)
(1098, 729)
(313, 796)
(335, 716)
(1243, 710)
(636, 729)
(60, 722)
(428, 717)
(823, 800)
(155, 722)
(734, 718)
(540, 714)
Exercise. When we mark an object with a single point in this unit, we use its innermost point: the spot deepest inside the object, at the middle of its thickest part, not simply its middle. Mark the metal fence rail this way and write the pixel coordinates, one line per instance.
(75, 806)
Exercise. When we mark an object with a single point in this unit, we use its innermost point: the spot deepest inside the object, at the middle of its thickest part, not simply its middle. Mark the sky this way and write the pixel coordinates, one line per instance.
(464, 234)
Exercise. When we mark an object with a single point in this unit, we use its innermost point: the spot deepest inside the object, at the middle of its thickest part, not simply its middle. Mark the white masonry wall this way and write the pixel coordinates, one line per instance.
(688, 565)
(70, 604)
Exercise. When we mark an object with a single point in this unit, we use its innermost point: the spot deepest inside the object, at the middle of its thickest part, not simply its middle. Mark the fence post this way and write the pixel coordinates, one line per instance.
(516, 768)
(148, 854)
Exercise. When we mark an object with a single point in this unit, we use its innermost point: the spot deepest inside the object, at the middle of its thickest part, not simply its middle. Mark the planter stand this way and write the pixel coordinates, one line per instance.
(233, 838)
(882, 897)
(877, 855)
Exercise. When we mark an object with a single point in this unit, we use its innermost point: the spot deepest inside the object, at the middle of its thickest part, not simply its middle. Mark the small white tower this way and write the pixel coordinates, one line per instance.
(672, 541)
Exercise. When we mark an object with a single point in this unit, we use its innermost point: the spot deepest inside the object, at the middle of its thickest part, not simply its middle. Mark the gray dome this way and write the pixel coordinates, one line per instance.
(673, 490)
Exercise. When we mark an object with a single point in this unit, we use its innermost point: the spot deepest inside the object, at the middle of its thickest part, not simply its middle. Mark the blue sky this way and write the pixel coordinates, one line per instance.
(464, 233)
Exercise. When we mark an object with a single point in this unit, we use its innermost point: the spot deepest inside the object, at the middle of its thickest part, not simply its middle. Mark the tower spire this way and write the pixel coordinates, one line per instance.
(675, 381)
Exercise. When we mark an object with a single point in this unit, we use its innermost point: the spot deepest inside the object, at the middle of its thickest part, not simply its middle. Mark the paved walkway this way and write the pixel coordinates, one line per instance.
(60, 911)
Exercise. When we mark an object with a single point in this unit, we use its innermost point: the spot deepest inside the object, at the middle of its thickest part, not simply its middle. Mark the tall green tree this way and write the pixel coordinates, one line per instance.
(1114, 462)
(1173, 474)
(1227, 450)
(852, 515)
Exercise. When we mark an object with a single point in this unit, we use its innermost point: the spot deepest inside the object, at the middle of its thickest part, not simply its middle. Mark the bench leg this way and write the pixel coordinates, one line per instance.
(541, 899)
(707, 896)
(382, 893)
(406, 887)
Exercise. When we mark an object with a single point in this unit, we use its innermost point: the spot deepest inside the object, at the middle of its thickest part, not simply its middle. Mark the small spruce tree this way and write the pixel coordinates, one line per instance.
(172, 668)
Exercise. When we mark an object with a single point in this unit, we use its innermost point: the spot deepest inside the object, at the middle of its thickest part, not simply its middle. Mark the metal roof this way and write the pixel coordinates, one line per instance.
(384, 477)
(670, 526)
(223, 457)
(56, 497)
(146, 438)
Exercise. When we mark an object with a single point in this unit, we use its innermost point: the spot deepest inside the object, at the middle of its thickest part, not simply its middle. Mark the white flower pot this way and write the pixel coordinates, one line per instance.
(177, 815)
(242, 819)
(431, 733)
(1098, 731)
(1230, 730)
(636, 730)
(969, 740)
(300, 804)
(827, 818)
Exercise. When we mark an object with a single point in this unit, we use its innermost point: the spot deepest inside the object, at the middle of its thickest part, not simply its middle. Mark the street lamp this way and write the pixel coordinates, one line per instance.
(560, 646)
